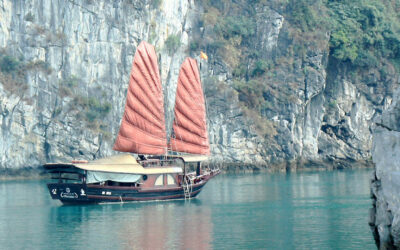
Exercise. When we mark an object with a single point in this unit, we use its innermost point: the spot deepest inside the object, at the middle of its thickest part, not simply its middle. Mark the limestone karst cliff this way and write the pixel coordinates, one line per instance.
(65, 66)
(385, 186)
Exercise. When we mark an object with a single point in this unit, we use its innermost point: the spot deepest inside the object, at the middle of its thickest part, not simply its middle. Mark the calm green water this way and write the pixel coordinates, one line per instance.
(324, 210)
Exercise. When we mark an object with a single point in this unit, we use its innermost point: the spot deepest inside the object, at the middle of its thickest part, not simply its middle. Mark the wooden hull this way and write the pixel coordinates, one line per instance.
(71, 193)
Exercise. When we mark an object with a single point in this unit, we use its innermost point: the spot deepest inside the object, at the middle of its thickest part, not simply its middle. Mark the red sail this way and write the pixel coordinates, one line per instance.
(142, 128)
(190, 129)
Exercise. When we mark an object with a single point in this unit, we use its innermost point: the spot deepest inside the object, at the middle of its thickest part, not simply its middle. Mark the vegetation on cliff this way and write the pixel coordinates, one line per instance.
(13, 72)
(360, 34)
(90, 109)
(361, 31)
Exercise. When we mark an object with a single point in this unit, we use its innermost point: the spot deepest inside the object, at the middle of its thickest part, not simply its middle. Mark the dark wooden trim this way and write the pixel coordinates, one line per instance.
(145, 190)
(117, 198)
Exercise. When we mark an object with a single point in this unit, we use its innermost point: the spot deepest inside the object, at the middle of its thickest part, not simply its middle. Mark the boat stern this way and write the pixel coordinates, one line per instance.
(68, 192)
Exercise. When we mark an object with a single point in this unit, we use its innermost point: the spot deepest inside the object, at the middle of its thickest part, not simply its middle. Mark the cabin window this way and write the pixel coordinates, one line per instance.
(170, 180)
(67, 177)
(159, 181)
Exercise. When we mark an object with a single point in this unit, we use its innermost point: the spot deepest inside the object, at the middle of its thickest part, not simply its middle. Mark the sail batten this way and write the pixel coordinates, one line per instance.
(189, 126)
(188, 94)
(185, 109)
(143, 109)
(186, 123)
(142, 129)
(142, 113)
(143, 72)
(154, 71)
(144, 89)
(190, 136)
(201, 150)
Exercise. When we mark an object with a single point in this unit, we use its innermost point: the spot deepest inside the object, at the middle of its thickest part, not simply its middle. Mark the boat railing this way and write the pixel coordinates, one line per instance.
(158, 163)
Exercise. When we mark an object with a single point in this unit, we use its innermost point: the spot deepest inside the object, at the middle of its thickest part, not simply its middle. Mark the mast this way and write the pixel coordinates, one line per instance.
(142, 129)
(189, 126)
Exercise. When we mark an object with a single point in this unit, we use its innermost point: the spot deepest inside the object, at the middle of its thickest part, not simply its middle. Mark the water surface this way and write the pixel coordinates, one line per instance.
(308, 210)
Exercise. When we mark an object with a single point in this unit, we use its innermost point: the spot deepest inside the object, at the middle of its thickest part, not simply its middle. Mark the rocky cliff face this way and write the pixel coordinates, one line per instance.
(76, 57)
(314, 111)
(385, 187)
(64, 97)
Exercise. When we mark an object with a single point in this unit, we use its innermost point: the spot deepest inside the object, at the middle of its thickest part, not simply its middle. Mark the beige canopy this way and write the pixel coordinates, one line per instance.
(190, 158)
(122, 163)
(125, 163)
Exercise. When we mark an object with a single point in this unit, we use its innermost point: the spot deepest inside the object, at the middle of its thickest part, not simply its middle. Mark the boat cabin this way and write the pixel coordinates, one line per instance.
(125, 171)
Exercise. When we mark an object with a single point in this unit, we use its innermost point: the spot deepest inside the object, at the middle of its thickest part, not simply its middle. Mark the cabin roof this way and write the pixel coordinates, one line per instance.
(121, 163)
(128, 169)
(190, 158)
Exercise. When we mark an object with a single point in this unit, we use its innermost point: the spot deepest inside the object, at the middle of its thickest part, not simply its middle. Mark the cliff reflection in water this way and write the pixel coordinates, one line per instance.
(327, 209)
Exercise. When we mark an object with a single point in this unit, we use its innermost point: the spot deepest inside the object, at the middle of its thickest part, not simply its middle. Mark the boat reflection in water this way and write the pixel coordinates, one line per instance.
(162, 227)
(155, 225)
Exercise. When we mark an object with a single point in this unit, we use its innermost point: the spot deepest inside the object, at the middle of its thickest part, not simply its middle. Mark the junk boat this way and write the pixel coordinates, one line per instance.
(150, 167)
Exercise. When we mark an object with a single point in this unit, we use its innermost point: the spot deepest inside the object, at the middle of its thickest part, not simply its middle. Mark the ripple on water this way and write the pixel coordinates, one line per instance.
(324, 210)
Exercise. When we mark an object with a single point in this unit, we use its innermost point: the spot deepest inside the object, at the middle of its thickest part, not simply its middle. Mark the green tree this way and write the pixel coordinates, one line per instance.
(172, 43)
